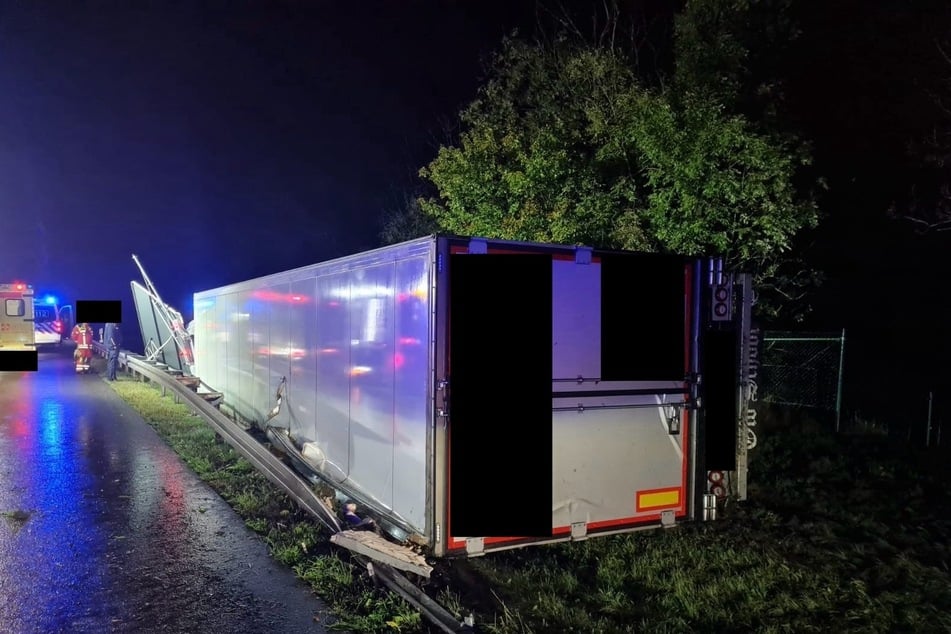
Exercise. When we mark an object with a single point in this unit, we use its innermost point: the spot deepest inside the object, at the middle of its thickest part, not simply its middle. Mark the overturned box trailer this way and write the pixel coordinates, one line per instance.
(480, 394)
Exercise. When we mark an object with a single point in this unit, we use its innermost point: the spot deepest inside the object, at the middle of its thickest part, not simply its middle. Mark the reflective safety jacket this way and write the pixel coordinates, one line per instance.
(82, 336)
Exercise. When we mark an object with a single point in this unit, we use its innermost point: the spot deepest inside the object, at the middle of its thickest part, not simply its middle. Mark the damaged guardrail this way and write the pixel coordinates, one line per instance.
(257, 454)
(284, 477)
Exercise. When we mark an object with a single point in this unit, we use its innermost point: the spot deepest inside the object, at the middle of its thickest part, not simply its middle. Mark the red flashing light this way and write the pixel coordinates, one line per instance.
(19, 287)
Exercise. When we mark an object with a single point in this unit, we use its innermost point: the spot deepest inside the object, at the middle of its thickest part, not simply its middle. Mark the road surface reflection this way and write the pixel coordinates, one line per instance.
(103, 529)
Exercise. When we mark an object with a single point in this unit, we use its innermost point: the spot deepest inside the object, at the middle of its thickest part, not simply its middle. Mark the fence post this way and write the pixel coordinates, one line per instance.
(800, 369)
(928, 433)
(838, 390)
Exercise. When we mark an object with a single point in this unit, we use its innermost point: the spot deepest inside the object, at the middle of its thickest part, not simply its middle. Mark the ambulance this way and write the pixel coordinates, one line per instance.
(16, 317)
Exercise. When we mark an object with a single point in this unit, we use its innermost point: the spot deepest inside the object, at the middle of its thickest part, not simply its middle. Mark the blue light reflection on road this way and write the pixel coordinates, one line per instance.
(50, 570)
(18, 440)
(104, 529)
(51, 432)
(62, 466)
(62, 481)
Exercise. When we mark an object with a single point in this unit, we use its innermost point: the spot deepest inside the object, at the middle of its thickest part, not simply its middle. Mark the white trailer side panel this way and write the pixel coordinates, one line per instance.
(352, 339)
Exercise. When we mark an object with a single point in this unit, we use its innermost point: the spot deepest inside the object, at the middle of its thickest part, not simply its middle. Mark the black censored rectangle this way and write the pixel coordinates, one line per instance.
(500, 435)
(19, 361)
(720, 399)
(99, 311)
(643, 317)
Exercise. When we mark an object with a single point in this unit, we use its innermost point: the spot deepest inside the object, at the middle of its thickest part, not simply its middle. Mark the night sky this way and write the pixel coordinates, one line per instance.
(224, 141)
(219, 144)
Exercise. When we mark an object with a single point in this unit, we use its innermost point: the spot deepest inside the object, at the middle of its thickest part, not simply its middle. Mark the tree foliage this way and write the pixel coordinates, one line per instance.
(733, 50)
(928, 203)
(407, 221)
(565, 144)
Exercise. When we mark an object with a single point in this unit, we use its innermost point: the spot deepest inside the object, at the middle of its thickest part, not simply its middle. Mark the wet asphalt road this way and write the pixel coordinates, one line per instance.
(104, 529)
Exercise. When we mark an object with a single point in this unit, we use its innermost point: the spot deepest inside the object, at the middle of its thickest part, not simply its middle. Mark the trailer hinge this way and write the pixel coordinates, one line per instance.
(583, 255)
(709, 507)
(673, 422)
(443, 386)
(579, 531)
(475, 546)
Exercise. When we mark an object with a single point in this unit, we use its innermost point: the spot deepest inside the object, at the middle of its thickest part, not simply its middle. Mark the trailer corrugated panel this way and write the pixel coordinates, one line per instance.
(352, 338)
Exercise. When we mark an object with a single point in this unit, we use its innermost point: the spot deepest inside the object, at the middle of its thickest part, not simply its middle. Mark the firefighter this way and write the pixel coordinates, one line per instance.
(82, 335)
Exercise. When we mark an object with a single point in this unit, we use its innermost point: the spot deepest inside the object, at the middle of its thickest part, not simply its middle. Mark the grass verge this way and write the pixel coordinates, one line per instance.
(844, 534)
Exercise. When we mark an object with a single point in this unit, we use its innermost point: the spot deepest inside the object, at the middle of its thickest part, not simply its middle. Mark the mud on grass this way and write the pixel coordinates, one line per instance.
(841, 534)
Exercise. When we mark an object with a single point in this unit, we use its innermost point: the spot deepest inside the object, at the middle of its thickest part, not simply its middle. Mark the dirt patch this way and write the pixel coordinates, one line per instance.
(16, 519)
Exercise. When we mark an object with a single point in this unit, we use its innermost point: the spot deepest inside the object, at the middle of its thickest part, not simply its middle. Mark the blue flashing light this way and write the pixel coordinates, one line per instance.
(50, 300)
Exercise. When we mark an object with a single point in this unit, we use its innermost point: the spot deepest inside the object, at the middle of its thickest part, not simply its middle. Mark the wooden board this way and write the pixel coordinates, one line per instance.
(379, 548)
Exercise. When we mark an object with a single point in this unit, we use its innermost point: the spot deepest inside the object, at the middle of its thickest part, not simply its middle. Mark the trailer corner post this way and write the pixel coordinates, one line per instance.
(697, 482)
(838, 390)
(748, 365)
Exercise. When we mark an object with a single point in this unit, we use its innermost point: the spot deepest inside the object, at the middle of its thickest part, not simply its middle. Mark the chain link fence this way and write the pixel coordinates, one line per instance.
(803, 370)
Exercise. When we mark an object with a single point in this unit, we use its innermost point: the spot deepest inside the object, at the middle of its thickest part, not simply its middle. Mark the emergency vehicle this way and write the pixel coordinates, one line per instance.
(16, 317)
(52, 322)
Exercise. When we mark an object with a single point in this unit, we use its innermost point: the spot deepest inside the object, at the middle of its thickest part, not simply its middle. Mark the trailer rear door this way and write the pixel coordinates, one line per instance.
(574, 413)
